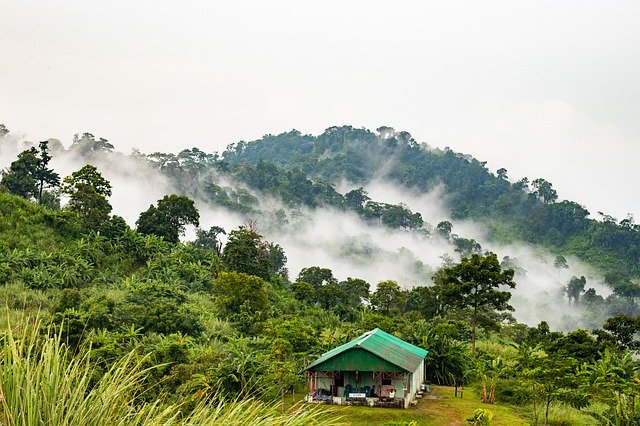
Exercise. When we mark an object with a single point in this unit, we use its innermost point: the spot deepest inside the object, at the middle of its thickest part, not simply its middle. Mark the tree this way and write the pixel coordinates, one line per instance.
(423, 300)
(87, 144)
(44, 176)
(554, 374)
(316, 276)
(246, 252)
(544, 191)
(613, 379)
(522, 184)
(330, 296)
(466, 246)
(169, 219)
(88, 192)
(241, 298)
(622, 329)
(356, 199)
(448, 362)
(444, 228)
(394, 216)
(160, 307)
(575, 288)
(276, 260)
(560, 262)
(29, 174)
(388, 297)
(303, 292)
(208, 240)
(20, 178)
(577, 344)
(475, 284)
(502, 173)
(357, 290)
(621, 284)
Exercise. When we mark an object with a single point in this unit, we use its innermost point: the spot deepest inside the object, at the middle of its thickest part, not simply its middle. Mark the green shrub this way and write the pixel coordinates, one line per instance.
(512, 391)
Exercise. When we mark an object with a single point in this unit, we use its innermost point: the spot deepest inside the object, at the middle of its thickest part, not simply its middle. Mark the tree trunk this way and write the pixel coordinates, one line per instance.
(473, 331)
(535, 412)
(546, 411)
(40, 191)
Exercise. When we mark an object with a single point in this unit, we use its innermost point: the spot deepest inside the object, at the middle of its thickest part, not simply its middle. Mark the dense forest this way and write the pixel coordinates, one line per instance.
(218, 319)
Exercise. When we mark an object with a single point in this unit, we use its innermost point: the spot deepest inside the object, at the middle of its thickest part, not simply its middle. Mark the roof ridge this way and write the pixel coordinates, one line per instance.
(383, 345)
(365, 336)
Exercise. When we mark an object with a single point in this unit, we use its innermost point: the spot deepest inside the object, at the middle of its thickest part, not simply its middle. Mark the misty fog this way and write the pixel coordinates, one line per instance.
(342, 241)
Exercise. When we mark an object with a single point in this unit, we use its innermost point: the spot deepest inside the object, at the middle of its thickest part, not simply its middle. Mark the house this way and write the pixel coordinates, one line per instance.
(375, 368)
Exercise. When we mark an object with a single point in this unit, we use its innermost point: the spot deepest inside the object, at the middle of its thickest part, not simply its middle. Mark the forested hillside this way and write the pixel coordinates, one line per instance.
(218, 317)
(526, 209)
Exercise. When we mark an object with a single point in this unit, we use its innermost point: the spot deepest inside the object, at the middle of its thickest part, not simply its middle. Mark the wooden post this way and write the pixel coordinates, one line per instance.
(405, 383)
(312, 388)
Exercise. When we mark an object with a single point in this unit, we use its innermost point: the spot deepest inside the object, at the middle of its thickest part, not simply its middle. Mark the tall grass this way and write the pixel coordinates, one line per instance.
(43, 383)
(565, 415)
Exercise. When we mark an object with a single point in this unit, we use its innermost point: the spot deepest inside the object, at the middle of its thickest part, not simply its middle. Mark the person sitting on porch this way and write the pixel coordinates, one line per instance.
(392, 393)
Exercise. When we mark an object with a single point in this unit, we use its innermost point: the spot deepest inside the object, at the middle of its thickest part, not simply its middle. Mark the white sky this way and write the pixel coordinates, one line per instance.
(543, 88)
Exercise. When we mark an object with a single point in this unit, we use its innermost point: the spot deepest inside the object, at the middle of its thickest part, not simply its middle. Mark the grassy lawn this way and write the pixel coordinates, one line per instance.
(446, 411)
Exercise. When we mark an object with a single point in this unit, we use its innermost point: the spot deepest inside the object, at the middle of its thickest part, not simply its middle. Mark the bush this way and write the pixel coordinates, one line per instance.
(512, 391)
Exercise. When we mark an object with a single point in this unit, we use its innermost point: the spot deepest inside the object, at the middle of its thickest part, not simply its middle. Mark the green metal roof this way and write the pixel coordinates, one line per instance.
(391, 349)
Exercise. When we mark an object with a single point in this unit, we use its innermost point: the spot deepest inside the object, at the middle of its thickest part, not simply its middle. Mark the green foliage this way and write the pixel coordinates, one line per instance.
(169, 219)
(86, 144)
(160, 308)
(301, 337)
(246, 252)
(623, 330)
(480, 417)
(88, 192)
(575, 288)
(514, 391)
(303, 292)
(233, 325)
(185, 266)
(42, 382)
(208, 240)
(356, 199)
(240, 200)
(388, 297)
(20, 178)
(524, 210)
(474, 284)
(444, 228)
(241, 298)
(316, 276)
(560, 262)
(45, 177)
(578, 344)
(29, 175)
(449, 361)
(394, 216)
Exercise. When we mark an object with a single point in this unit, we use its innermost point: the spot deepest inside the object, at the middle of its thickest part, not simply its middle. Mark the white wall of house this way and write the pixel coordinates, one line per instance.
(415, 380)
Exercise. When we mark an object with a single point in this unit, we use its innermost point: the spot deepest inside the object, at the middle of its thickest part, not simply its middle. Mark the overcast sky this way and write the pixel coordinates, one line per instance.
(543, 88)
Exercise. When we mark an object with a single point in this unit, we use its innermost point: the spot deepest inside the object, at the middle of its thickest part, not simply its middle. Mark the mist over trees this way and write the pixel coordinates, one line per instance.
(221, 316)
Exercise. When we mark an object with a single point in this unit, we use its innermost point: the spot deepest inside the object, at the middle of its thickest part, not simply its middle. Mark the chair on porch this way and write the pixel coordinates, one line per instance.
(347, 389)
